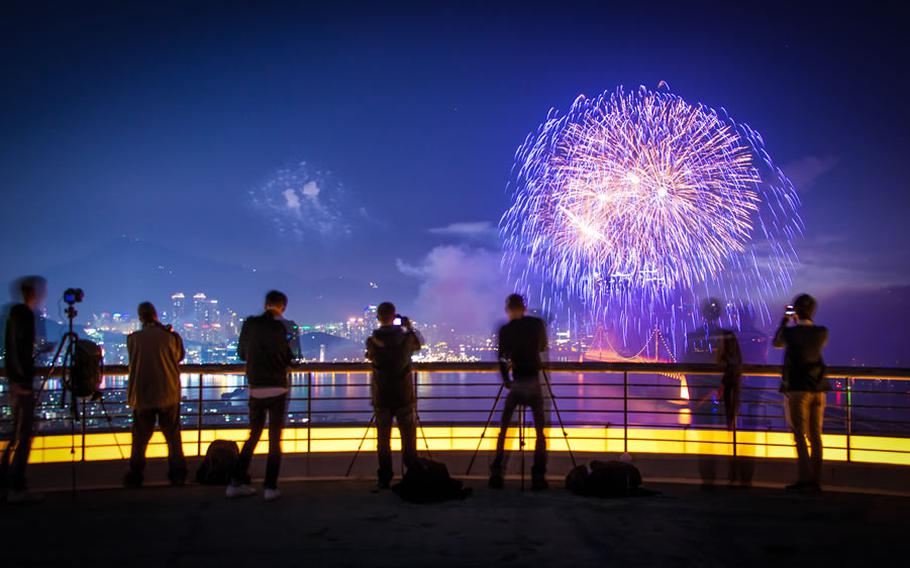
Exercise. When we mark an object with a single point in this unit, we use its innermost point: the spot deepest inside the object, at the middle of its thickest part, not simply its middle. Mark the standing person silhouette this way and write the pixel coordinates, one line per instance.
(153, 392)
(521, 341)
(20, 351)
(265, 346)
(389, 349)
(804, 384)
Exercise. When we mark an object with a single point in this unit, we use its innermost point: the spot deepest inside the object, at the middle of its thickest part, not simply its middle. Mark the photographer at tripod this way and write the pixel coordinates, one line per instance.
(19, 345)
(154, 394)
(389, 348)
(521, 341)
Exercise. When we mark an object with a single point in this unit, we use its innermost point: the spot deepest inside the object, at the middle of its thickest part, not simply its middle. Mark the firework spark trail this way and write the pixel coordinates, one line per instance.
(631, 200)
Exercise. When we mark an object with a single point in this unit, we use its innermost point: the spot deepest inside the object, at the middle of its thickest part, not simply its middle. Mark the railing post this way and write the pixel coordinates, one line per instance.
(734, 437)
(199, 418)
(309, 416)
(849, 384)
(625, 412)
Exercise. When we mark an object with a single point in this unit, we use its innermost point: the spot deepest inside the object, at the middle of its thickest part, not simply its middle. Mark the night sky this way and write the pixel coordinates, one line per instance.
(139, 140)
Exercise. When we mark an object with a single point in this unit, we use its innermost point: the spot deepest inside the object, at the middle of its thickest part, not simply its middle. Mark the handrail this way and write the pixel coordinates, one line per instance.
(867, 419)
(890, 373)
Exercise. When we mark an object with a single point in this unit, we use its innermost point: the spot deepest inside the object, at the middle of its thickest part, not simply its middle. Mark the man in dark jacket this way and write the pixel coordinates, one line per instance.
(19, 353)
(264, 345)
(154, 393)
(389, 348)
(804, 385)
(521, 341)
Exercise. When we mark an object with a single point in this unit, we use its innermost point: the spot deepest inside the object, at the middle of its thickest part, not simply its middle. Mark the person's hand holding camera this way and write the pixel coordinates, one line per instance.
(789, 314)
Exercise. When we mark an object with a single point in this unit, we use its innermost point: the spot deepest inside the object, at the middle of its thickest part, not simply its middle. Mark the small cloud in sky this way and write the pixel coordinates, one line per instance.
(830, 261)
(471, 230)
(804, 172)
(293, 202)
(310, 189)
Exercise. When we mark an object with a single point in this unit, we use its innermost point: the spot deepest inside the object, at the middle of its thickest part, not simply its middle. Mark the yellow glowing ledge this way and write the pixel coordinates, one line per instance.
(868, 449)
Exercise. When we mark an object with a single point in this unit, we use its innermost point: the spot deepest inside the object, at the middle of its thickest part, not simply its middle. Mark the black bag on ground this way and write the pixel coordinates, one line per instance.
(430, 483)
(87, 369)
(606, 479)
(220, 460)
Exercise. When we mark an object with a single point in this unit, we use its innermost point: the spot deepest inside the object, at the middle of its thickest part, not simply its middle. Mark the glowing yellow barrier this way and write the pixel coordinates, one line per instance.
(868, 449)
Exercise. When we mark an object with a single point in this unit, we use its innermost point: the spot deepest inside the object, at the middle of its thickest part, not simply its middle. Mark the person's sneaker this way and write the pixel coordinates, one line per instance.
(272, 495)
(812, 487)
(539, 484)
(798, 486)
(23, 497)
(496, 482)
(177, 479)
(132, 481)
(239, 491)
(383, 483)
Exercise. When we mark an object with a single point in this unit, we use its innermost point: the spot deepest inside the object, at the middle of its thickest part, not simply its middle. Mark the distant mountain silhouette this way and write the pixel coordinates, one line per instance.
(124, 272)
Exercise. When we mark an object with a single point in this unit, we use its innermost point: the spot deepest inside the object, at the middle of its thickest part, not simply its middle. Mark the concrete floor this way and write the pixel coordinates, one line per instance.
(345, 523)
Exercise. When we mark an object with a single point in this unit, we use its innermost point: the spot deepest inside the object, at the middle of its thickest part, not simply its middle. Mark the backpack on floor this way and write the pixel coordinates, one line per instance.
(606, 479)
(87, 369)
(430, 483)
(221, 458)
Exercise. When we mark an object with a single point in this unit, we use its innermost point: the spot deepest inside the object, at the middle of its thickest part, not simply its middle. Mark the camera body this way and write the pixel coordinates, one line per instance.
(789, 311)
(73, 295)
(401, 320)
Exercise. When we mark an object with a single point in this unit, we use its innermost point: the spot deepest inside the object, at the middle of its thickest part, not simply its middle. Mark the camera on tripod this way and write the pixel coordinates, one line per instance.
(73, 295)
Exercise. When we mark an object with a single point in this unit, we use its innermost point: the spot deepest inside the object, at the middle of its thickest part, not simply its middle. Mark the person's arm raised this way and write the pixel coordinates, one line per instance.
(779, 341)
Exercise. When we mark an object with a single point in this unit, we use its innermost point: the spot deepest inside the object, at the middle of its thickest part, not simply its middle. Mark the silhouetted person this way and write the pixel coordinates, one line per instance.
(713, 344)
(753, 342)
(264, 345)
(153, 392)
(804, 385)
(19, 353)
(521, 341)
(389, 349)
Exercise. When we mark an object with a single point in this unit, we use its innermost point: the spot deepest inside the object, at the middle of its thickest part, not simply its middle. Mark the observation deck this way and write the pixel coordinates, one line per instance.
(643, 409)
(666, 417)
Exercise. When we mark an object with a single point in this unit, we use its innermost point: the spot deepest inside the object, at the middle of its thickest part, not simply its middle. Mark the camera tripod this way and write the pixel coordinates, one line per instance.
(366, 432)
(521, 427)
(67, 348)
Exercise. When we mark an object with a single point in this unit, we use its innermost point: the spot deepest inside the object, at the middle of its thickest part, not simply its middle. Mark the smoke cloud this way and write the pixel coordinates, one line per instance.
(462, 287)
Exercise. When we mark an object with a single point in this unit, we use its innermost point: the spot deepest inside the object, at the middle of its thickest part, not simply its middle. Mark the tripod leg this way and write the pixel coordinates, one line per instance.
(360, 445)
(74, 416)
(84, 404)
(486, 426)
(52, 367)
(565, 434)
(423, 434)
(110, 424)
(521, 443)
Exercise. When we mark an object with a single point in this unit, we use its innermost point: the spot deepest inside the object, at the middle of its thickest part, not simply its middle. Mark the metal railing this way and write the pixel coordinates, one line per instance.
(606, 407)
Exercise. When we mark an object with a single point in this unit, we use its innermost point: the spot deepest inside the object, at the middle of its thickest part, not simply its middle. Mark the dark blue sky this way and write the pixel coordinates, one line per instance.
(140, 129)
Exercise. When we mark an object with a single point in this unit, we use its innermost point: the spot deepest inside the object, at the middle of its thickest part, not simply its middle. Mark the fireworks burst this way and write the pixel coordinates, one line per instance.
(632, 201)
